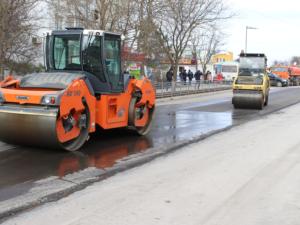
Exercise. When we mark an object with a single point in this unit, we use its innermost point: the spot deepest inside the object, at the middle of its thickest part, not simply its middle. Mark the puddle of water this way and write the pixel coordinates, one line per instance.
(184, 125)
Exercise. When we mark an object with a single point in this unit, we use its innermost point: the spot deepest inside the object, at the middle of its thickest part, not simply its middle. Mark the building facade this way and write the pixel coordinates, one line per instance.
(222, 57)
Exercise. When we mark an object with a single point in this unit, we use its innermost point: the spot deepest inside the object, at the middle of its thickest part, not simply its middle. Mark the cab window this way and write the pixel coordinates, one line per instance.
(66, 52)
(91, 52)
(112, 53)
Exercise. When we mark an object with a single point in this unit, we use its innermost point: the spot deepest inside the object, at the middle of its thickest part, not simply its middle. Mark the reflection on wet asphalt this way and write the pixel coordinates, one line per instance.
(21, 166)
(102, 151)
(186, 124)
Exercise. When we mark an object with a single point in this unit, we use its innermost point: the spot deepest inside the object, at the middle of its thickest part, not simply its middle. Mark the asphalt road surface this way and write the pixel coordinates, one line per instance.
(248, 175)
(180, 120)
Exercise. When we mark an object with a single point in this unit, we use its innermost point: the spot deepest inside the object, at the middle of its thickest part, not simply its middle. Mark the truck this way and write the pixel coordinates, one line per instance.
(290, 73)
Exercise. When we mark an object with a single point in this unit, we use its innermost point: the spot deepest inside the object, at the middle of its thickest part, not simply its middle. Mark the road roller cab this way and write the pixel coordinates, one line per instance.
(83, 87)
(251, 87)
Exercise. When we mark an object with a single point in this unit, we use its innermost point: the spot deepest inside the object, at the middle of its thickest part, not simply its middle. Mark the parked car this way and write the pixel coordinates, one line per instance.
(277, 81)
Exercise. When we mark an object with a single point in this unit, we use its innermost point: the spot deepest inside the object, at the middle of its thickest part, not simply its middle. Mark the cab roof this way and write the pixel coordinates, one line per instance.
(78, 30)
(252, 55)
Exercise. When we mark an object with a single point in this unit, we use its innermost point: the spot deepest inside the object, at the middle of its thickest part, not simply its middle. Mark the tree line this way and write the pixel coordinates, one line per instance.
(17, 26)
(160, 29)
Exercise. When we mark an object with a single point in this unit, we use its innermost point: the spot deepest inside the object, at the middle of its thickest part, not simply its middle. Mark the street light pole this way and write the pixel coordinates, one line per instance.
(246, 41)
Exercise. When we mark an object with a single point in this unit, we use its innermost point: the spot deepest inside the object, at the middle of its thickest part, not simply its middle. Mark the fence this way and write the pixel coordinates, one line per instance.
(170, 89)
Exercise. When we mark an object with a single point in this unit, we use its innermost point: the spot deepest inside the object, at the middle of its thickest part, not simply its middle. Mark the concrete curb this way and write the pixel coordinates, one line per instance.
(192, 92)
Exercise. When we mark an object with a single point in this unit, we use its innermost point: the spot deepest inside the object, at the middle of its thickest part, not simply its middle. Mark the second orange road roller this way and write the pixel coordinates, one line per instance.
(83, 87)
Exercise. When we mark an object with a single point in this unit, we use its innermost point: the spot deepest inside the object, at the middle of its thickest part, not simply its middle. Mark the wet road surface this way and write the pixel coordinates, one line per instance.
(21, 166)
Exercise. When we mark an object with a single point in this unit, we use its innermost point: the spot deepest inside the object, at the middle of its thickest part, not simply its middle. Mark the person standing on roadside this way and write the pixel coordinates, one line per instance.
(184, 76)
(198, 75)
(180, 76)
(208, 75)
(190, 76)
(169, 76)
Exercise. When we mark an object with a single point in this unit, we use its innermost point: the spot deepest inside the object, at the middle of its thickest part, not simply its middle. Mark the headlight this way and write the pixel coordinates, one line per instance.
(47, 100)
(50, 100)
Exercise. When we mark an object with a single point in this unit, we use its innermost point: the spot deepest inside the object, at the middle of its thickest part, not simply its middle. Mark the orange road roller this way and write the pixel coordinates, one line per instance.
(83, 87)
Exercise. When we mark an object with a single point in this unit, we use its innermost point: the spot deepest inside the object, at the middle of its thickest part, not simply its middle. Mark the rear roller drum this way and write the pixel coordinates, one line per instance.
(248, 102)
(73, 130)
(140, 117)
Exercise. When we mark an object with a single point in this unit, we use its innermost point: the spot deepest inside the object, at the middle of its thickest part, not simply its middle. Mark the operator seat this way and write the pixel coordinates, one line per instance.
(93, 69)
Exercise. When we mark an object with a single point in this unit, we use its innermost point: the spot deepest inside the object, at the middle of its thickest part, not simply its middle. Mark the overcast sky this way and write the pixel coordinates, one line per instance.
(278, 23)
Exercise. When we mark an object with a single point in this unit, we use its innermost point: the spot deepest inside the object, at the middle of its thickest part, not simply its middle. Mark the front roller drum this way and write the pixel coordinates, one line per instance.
(36, 126)
(248, 100)
(140, 117)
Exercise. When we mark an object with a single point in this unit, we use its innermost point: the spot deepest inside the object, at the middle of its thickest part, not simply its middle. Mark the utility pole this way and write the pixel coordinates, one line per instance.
(58, 20)
(246, 40)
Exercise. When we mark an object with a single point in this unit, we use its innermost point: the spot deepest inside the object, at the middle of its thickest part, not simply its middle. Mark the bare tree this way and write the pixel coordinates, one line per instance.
(111, 15)
(181, 19)
(210, 42)
(155, 27)
(16, 30)
(146, 38)
(195, 47)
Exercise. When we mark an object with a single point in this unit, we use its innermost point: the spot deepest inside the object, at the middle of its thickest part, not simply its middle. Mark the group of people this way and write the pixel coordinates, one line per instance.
(188, 76)
(184, 75)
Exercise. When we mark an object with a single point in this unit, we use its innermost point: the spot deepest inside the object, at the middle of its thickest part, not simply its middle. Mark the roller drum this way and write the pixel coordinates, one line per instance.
(33, 126)
(248, 99)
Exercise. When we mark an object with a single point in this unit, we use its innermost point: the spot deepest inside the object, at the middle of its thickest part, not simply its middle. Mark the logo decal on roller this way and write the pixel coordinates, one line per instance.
(22, 97)
(73, 93)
